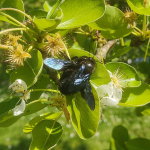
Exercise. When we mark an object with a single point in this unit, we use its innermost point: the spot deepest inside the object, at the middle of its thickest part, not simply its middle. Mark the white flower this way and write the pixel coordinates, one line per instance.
(19, 109)
(111, 93)
(19, 86)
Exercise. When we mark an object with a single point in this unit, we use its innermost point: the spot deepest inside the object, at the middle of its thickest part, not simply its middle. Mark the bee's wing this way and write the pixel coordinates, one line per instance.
(88, 95)
(57, 64)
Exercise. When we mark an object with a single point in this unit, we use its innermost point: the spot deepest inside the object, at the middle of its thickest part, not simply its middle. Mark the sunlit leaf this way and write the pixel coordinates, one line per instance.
(18, 4)
(32, 123)
(46, 134)
(136, 96)
(78, 13)
(49, 24)
(138, 7)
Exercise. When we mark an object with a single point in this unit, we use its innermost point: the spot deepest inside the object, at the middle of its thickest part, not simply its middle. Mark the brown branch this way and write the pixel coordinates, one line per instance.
(102, 52)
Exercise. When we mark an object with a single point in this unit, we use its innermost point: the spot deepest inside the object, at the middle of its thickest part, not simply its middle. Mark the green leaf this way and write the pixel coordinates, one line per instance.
(138, 144)
(32, 123)
(18, 4)
(3, 18)
(116, 34)
(112, 24)
(46, 134)
(112, 19)
(120, 134)
(146, 112)
(39, 13)
(46, 6)
(136, 96)
(84, 120)
(78, 13)
(100, 75)
(49, 24)
(7, 118)
(42, 83)
(138, 7)
(114, 145)
(128, 75)
(51, 7)
(31, 69)
(119, 50)
(8, 104)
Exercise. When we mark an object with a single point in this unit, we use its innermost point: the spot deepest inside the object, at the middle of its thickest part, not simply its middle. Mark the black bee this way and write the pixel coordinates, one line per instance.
(75, 77)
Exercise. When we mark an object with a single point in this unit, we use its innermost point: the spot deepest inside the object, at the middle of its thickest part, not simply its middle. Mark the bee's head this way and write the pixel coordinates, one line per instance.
(89, 63)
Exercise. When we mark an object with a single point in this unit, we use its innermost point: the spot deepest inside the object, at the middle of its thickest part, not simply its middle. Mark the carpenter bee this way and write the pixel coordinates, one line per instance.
(75, 76)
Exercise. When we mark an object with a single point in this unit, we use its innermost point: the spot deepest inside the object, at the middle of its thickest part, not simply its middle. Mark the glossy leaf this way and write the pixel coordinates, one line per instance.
(8, 104)
(84, 120)
(45, 135)
(42, 83)
(127, 73)
(136, 96)
(51, 7)
(138, 144)
(31, 69)
(18, 4)
(116, 34)
(77, 13)
(112, 24)
(3, 18)
(146, 112)
(119, 50)
(112, 19)
(39, 13)
(7, 118)
(32, 123)
(49, 24)
(138, 7)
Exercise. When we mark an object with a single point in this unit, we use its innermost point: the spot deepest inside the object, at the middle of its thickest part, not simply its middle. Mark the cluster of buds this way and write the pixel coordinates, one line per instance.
(52, 46)
(14, 55)
(130, 16)
(60, 103)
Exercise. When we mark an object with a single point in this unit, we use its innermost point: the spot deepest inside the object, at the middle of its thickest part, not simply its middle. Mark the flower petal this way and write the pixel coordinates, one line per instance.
(102, 90)
(117, 93)
(19, 109)
(18, 86)
(110, 89)
(22, 83)
(108, 101)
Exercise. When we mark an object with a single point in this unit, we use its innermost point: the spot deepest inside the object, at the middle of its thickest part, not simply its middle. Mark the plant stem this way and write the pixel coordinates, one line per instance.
(144, 26)
(29, 49)
(13, 19)
(122, 42)
(13, 9)
(44, 90)
(146, 50)
(12, 29)
(66, 50)
(137, 33)
(138, 29)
